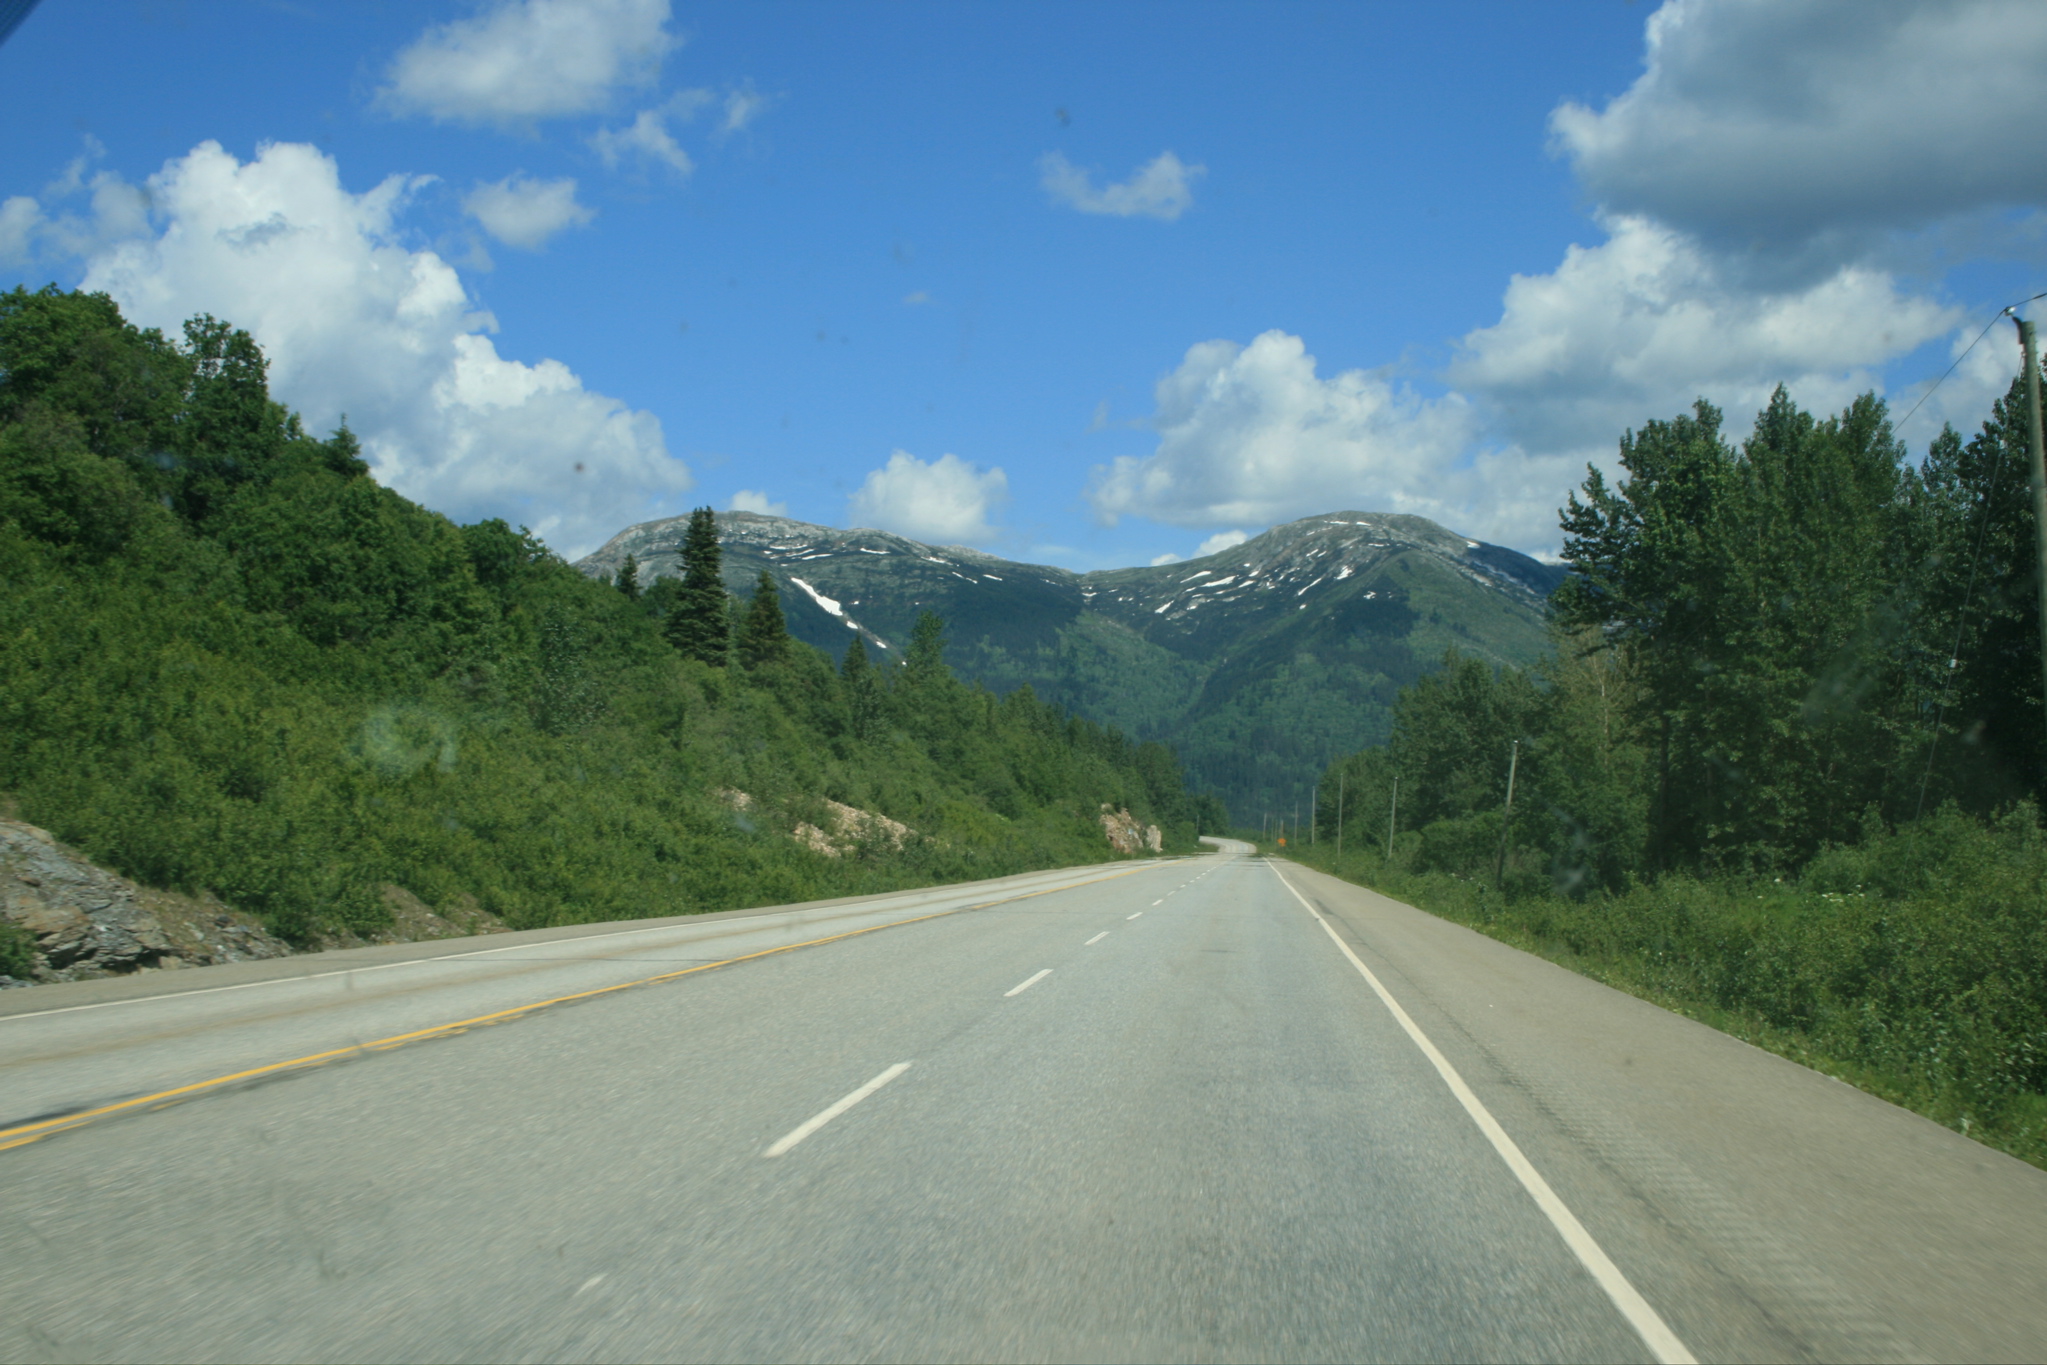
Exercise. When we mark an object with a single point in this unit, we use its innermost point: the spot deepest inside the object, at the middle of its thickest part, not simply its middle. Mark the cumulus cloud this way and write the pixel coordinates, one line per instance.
(948, 501)
(522, 60)
(1642, 324)
(1253, 434)
(353, 321)
(523, 212)
(1756, 188)
(1160, 561)
(752, 500)
(1163, 188)
(1817, 121)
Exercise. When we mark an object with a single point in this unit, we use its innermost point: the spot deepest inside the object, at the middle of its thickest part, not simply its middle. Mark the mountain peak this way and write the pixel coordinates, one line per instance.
(1256, 662)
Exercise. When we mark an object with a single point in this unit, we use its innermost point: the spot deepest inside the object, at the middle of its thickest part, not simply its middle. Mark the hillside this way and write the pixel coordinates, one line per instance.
(231, 663)
(1257, 664)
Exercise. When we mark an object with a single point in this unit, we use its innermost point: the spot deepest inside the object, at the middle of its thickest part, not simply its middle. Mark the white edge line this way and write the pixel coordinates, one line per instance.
(1020, 987)
(1096, 939)
(805, 1129)
(1648, 1324)
(387, 966)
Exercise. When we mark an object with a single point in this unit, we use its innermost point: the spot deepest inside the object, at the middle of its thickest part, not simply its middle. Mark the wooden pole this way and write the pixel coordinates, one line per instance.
(1339, 818)
(2026, 345)
(1500, 863)
(1393, 817)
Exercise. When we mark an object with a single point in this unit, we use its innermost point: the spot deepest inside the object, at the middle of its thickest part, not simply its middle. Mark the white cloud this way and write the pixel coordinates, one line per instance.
(1220, 541)
(752, 500)
(1792, 122)
(947, 501)
(20, 217)
(742, 107)
(1252, 434)
(1756, 188)
(31, 230)
(523, 212)
(521, 60)
(1160, 561)
(1640, 325)
(1163, 188)
(647, 138)
(917, 298)
(355, 322)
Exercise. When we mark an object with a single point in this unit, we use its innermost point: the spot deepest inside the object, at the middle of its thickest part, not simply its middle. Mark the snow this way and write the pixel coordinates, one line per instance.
(829, 604)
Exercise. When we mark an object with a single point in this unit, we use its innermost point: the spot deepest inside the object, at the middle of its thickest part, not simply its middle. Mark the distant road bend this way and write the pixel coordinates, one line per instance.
(1205, 1108)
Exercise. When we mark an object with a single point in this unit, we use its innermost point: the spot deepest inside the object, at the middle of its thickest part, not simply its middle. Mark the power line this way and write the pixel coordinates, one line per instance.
(2002, 314)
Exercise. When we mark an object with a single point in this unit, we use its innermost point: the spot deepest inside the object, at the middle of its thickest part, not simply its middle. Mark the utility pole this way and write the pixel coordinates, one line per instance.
(1500, 863)
(1339, 817)
(1393, 817)
(1314, 795)
(2026, 345)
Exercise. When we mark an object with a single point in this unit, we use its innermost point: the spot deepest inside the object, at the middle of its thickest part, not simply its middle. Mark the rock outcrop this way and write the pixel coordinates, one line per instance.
(88, 922)
(851, 827)
(1127, 836)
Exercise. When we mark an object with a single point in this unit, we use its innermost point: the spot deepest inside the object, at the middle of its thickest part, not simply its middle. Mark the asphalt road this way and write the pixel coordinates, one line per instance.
(1208, 1109)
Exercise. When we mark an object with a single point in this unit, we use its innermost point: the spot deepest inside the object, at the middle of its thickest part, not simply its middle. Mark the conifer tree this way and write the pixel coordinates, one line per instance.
(924, 662)
(697, 627)
(862, 689)
(763, 634)
(629, 578)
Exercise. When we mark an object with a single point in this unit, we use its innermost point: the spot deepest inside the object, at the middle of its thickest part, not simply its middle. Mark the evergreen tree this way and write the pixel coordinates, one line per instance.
(697, 627)
(629, 578)
(1983, 614)
(763, 634)
(924, 663)
(862, 687)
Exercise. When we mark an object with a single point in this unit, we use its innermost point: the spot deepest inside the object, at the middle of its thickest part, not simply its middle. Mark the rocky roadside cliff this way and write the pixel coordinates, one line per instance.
(87, 922)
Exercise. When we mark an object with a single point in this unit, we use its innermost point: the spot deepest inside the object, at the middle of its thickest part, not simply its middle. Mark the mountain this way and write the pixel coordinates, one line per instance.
(1257, 664)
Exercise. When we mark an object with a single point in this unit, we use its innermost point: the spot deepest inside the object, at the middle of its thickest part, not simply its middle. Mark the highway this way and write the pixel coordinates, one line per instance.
(1214, 1108)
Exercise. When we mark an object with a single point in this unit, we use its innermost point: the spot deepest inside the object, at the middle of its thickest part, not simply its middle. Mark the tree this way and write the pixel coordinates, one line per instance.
(924, 663)
(629, 578)
(763, 634)
(863, 691)
(1982, 613)
(230, 432)
(698, 627)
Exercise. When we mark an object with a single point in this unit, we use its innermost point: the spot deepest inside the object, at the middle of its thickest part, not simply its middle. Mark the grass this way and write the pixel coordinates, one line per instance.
(1912, 965)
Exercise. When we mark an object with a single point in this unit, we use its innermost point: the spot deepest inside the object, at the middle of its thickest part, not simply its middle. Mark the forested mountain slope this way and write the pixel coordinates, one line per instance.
(1255, 664)
(230, 661)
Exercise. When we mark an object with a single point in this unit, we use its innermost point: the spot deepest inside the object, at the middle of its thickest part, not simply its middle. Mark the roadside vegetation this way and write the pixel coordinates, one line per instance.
(231, 661)
(1783, 770)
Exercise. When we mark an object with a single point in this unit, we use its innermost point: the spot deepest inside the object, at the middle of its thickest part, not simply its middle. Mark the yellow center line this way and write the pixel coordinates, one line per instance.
(23, 1134)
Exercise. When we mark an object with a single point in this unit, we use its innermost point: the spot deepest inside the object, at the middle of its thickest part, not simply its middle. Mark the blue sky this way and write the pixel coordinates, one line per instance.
(1087, 284)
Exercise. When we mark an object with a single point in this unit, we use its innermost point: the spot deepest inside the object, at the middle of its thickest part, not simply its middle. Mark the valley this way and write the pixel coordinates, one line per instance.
(1257, 664)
